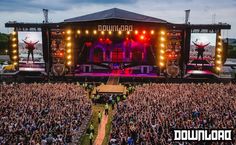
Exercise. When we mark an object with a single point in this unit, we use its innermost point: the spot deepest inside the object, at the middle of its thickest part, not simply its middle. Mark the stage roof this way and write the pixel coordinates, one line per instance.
(115, 13)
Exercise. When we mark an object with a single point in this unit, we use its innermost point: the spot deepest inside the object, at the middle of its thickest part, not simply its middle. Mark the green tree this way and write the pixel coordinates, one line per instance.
(3, 43)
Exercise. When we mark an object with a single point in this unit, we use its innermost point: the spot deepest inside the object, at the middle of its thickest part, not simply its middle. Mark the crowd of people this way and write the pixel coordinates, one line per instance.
(150, 114)
(43, 113)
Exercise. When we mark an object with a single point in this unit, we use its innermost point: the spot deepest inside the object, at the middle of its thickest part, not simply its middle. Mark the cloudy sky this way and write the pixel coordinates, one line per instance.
(202, 11)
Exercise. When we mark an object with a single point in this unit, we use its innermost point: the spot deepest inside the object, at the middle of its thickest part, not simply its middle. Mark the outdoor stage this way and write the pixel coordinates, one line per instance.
(117, 42)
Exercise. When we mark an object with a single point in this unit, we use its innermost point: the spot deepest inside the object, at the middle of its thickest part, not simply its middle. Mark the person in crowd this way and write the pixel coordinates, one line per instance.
(91, 128)
(106, 109)
(91, 138)
(99, 117)
(43, 113)
(152, 111)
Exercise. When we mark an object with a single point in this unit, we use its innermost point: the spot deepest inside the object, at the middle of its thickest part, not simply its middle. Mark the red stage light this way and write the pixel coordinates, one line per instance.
(142, 37)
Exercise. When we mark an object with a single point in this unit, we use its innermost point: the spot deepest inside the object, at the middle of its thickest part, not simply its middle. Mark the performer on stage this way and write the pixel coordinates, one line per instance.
(30, 46)
(200, 48)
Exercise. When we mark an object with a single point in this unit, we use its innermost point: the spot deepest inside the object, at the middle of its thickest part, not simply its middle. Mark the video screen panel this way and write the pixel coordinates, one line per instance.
(202, 49)
(30, 51)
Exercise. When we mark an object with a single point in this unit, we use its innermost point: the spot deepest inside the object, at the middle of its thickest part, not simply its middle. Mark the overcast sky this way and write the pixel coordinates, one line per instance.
(202, 11)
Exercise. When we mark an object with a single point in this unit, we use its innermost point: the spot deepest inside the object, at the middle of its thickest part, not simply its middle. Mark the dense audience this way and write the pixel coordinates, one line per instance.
(150, 114)
(42, 113)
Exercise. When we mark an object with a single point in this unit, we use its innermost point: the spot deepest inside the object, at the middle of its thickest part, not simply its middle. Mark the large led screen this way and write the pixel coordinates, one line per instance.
(202, 48)
(30, 51)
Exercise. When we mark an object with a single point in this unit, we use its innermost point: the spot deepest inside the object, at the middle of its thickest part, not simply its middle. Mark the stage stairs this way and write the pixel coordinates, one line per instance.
(111, 87)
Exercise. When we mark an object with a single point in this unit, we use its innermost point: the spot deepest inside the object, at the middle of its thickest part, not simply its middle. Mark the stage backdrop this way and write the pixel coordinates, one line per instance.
(30, 51)
(202, 48)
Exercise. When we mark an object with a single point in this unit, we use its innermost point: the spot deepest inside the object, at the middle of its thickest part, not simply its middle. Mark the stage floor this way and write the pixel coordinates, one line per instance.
(113, 74)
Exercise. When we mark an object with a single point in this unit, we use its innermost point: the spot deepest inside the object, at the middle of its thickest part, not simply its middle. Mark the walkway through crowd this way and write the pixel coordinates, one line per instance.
(101, 130)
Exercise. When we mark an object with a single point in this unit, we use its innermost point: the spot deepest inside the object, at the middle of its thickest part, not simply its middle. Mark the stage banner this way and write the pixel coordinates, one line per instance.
(30, 51)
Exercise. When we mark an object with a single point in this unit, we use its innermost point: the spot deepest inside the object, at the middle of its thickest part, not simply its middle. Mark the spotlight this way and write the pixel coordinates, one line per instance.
(69, 63)
(144, 32)
(161, 64)
(94, 32)
(69, 44)
(219, 56)
(69, 57)
(14, 51)
(119, 32)
(14, 33)
(15, 63)
(136, 32)
(78, 32)
(219, 49)
(13, 45)
(218, 62)
(218, 68)
(161, 57)
(162, 51)
(152, 32)
(86, 32)
(68, 32)
(142, 37)
(128, 32)
(163, 32)
(14, 39)
(69, 51)
(68, 38)
(162, 45)
(163, 39)
(15, 57)
(220, 37)
(219, 43)
(102, 32)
